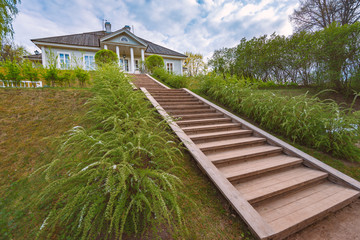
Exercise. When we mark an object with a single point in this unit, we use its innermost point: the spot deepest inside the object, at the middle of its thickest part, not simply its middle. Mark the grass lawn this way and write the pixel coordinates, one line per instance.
(31, 121)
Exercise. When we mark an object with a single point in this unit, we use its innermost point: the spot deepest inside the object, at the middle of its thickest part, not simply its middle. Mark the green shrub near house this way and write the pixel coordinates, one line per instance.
(105, 56)
(154, 61)
(173, 80)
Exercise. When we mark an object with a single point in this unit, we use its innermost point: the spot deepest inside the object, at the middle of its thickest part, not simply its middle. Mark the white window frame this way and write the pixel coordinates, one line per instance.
(170, 67)
(59, 60)
(84, 62)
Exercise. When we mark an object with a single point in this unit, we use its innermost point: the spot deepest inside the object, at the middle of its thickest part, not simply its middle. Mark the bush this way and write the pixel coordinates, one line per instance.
(82, 76)
(117, 175)
(51, 75)
(105, 56)
(29, 72)
(173, 80)
(154, 61)
(303, 119)
(12, 73)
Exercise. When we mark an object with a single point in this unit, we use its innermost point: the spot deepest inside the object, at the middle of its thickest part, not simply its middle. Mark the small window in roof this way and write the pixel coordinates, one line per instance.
(124, 39)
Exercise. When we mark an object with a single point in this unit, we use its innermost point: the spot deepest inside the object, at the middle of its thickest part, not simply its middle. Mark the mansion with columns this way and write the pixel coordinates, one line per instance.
(80, 49)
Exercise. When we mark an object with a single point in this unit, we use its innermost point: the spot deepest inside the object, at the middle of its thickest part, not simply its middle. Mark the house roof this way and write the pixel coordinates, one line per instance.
(92, 39)
(34, 57)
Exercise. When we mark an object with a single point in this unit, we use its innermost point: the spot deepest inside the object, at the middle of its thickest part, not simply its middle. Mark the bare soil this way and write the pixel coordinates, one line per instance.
(341, 225)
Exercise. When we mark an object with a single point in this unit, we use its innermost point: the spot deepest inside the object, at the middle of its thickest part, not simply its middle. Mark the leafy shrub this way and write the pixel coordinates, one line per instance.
(105, 56)
(116, 176)
(12, 73)
(82, 76)
(51, 75)
(173, 80)
(303, 119)
(29, 72)
(154, 61)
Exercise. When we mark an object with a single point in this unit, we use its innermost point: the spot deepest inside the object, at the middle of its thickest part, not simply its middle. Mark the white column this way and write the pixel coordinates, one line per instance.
(181, 67)
(43, 56)
(132, 61)
(105, 46)
(118, 54)
(142, 58)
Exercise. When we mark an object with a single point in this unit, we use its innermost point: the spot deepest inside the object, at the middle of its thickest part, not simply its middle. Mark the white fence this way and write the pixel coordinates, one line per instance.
(22, 84)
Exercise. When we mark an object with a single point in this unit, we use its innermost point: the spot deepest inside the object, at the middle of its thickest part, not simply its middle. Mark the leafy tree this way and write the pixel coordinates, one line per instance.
(154, 61)
(12, 52)
(194, 63)
(8, 10)
(105, 56)
(29, 72)
(319, 14)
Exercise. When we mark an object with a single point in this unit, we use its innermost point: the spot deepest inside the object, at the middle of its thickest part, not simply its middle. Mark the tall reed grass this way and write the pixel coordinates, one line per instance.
(117, 176)
(303, 119)
(173, 80)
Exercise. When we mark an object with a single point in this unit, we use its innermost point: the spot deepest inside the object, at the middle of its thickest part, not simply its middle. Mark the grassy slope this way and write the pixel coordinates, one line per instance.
(31, 119)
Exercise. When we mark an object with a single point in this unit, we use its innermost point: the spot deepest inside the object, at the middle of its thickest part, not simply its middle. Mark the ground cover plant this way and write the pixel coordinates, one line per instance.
(171, 79)
(302, 119)
(117, 176)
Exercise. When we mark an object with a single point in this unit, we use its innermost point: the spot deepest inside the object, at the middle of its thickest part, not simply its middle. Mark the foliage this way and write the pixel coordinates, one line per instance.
(194, 63)
(12, 52)
(82, 76)
(303, 119)
(8, 10)
(329, 58)
(314, 14)
(114, 177)
(29, 72)
(12, 73)
(172, 79)
(105, 56)
(154, 61)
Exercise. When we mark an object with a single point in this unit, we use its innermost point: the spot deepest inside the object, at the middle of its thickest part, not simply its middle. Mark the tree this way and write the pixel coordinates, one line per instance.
(8, 10)
(106, 56)
(194, 63)
(12, 52)
(319, 14)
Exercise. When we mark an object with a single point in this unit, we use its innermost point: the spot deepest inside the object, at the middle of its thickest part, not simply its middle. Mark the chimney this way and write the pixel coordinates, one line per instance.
(108, 27)
(127, 27)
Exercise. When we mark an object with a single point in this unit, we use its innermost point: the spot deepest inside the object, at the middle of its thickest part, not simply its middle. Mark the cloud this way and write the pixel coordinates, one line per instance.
(200, 26)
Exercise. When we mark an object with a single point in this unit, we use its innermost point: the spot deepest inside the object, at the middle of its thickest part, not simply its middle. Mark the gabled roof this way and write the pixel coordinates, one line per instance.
(93, 39)
(121, 31)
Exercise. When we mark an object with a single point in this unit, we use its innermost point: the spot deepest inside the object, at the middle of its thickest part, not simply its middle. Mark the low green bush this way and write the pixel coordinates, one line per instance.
(154, 61)
(12, 73)
(29, 72)
(306, 120)
(173, 80)
(117, 175)
(105, 56)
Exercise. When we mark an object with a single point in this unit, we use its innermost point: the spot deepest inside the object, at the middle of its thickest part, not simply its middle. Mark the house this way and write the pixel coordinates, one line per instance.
(80, 49)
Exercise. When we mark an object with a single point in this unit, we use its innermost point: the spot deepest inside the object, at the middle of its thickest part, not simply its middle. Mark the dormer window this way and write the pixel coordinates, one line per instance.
(124, 39)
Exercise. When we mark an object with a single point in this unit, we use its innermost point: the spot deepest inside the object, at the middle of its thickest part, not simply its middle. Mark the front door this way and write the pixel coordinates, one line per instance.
(126, 66)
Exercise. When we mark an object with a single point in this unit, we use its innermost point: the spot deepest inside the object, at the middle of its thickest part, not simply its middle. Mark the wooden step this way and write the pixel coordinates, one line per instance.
(243, 169)
(170, 94)
(190, 111)
(230, 143)
(275, 183)
(211, 128)
(215, 136)
(289, 213)
(167, 101)
(185, 107)
(170, 99)
(197, 116)
(206, 121)
(182, 103)
(244, 153)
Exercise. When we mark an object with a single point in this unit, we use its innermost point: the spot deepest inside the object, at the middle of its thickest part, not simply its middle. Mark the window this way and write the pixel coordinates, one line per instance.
(124, 39)
(64, 60)
(136, 64)
(89, 62)
(169, 67)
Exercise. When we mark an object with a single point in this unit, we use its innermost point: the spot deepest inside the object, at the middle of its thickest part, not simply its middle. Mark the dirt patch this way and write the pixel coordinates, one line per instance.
(343, 224)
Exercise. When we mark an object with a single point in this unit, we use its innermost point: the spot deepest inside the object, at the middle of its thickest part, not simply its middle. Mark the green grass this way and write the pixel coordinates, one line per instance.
(31, 122)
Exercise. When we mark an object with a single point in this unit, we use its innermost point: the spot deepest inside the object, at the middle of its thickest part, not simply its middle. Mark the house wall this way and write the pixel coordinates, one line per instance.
(76, 56)
(177, 65)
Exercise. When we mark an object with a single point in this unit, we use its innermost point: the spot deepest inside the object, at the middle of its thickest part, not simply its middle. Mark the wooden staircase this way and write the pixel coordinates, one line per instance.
(274, 187)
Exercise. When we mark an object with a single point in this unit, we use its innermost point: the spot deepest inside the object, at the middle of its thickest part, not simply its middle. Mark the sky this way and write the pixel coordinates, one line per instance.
(198, 26)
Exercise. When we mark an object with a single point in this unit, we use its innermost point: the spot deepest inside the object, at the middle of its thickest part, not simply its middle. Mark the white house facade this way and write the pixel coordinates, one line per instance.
(79, 50)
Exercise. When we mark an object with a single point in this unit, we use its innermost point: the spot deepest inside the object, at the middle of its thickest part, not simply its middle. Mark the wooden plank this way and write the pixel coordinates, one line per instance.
(228, 143)
(258, 226)
(203, 121)
(160, 83)
(258, 166)
(219, 134)
(336, 175)
(239, 154)
(270, 185)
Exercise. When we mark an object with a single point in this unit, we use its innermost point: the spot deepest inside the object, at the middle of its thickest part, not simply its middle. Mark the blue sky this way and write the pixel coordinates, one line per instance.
(199, 26)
